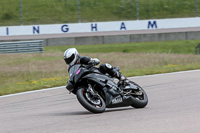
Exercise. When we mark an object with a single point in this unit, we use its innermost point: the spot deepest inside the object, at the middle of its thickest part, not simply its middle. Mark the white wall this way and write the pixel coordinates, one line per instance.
(99, 26)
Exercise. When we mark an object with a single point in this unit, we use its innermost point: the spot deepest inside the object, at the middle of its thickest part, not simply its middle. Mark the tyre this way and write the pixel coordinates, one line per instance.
(139, 97)
(91, 102)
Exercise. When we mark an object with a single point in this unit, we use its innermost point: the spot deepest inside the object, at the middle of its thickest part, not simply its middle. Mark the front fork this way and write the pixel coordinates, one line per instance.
(91, 91)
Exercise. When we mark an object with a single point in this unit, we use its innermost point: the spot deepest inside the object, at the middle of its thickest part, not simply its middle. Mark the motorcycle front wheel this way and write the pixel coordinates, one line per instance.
(90, 101)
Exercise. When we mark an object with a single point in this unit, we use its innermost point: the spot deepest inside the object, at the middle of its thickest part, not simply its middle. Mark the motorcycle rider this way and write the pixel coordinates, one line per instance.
(72, 57)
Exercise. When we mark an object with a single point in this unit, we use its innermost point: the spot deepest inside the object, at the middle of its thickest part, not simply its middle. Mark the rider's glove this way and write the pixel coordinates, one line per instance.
(94, 61)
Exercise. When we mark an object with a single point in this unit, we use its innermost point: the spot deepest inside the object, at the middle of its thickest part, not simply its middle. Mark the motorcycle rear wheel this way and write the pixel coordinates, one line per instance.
(93, 104)
(139, 101)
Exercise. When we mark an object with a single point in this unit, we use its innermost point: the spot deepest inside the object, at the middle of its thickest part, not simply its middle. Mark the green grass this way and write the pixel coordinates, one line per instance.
(66, 11)
(179, 47)
(24, 72)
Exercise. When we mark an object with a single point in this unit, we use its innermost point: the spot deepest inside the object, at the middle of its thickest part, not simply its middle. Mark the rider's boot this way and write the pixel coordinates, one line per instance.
(122, 79)
(125, 82)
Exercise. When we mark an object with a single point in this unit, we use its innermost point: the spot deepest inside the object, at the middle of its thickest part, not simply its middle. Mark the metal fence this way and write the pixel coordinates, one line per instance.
(36, 46)
(197, 49)
(26, 12)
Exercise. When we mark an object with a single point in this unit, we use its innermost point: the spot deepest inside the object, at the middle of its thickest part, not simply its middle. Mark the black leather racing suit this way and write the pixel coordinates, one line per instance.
(104, 68)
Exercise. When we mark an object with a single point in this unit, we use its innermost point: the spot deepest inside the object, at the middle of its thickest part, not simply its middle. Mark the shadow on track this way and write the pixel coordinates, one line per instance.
(71, 113)
(118, 109)
(89, 113)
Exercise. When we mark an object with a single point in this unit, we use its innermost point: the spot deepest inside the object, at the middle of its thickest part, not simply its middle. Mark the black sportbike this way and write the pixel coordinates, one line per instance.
(96, 91)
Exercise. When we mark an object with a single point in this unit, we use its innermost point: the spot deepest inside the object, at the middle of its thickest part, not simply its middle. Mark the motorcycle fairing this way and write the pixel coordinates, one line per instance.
(109, 87)
(113, 98)
(100, 79)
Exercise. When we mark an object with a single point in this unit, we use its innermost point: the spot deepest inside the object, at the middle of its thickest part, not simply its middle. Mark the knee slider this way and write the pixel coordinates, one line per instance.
(108, 66)
(105, 68)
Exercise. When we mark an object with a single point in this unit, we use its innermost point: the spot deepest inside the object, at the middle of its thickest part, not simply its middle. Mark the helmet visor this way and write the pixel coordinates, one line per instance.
(70, 59)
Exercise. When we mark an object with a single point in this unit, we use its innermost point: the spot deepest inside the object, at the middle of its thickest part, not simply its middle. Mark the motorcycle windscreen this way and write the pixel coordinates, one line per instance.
(76, 72)
(72, 72)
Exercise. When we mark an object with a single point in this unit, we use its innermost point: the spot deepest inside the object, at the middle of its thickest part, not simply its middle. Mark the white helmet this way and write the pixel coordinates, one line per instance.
(71, 56)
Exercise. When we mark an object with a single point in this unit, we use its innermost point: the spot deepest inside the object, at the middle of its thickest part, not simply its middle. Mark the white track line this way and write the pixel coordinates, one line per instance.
(172, 73)
(28, 92)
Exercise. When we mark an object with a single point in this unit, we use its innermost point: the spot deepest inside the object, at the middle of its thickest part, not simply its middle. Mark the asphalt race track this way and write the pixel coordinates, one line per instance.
(174, 107)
